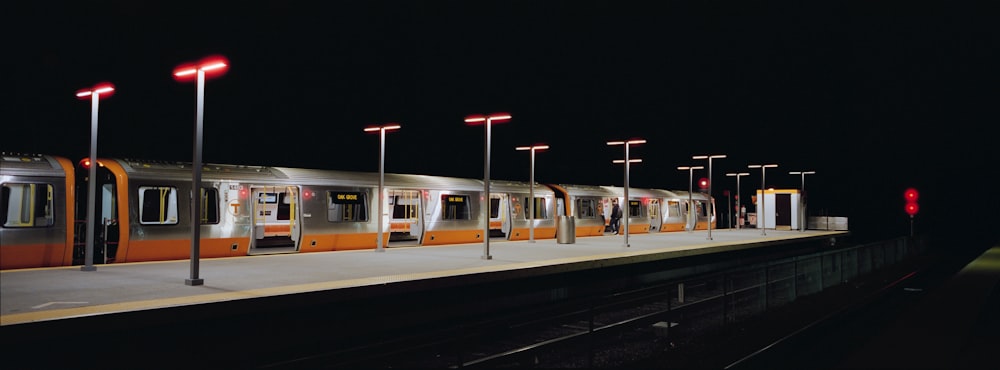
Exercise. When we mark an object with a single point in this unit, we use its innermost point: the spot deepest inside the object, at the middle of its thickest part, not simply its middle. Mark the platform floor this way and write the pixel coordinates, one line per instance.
(33, 295)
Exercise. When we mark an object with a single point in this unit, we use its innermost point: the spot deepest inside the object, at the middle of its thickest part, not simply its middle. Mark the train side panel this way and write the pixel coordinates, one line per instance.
(36, 211)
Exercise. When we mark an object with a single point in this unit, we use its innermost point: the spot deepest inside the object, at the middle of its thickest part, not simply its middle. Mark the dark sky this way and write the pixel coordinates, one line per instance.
(874, 96)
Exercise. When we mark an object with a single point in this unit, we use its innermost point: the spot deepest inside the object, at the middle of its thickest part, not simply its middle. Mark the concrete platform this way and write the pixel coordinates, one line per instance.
(36, 295)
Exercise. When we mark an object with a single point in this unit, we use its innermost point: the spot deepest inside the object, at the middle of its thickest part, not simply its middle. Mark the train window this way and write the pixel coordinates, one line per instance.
(540, 210)
(157, 205)
(209, 206)
(405, 206)
(635, 209)
(585, 208)
(26, 205)
(284, 206)
(673, 208)
(347, 206)
(455, 207)
(494, 207)
(516, 208)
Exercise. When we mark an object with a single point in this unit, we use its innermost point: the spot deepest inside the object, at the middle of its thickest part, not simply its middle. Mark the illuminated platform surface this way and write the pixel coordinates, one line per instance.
(34, 295)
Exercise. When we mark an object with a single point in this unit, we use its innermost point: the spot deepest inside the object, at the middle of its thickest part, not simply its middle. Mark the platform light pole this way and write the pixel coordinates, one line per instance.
(690, 170)
(488, 121)
(627, 162)
(711, 201)
(739, 225)
(531, 188)
(212, 66)
(94, 94)
(763, 219)
(381, 175)
(802, 203)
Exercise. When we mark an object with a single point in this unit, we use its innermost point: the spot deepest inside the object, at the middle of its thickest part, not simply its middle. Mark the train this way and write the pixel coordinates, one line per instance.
(143, 210)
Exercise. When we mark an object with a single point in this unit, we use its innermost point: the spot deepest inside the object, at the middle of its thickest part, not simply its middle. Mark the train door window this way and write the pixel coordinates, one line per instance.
(455, 207)
(540, 210)
(516, 209)
(654, 208)
(585, 208)
(494, 207)
(157, 205)
(347, 206)
(109, 202)
(673, 208)
(209, 206)
(27, 205)
(635, 209)
(405, 206)
(284, 206)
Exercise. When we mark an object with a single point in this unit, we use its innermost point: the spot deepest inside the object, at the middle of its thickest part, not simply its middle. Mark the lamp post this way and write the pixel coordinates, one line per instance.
(802, 203)
(711, 202)
(531, 188)
(94, 94)
(690, 170)
(739, 225)
(381, 175)
(763, 219)
(488, 120)
(627, 162)
(212, 66)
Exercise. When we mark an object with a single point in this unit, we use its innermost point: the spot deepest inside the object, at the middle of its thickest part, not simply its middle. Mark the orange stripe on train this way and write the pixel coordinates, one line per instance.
(32, 255)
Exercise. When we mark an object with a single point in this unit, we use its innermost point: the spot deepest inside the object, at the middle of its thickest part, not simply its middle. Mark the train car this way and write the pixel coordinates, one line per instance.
(435, 210)
(691, 209)
(37, 223)
(663, 209)
(637, 208)
(589, 205)
(510, 202)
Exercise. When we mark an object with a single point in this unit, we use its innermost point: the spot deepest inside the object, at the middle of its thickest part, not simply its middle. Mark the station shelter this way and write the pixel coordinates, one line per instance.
(783, 209)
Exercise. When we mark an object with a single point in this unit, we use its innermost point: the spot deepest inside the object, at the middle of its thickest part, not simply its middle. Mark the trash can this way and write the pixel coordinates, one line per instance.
(565, 230)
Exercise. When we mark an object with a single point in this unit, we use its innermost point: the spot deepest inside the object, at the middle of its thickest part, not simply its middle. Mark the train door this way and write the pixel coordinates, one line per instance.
(406, 225)
(499, 215)
(275, 219)
(690, 214)
(510, 210)
(654, 214)
(105, 235)
(782, 211)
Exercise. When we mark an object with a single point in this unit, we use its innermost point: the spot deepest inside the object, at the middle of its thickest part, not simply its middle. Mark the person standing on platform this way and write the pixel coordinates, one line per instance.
(616, 215)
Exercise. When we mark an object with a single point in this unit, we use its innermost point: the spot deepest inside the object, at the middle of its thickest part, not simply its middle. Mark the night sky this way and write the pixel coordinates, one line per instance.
(874, 96)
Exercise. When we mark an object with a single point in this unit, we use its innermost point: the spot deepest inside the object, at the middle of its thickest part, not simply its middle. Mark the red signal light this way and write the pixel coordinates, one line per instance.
(912, 208)
(703, 183)
(911, 195)
(85, 163)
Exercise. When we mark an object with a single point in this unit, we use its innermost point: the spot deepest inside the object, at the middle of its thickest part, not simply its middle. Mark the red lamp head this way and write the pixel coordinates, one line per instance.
(212, 66)
(102, 90)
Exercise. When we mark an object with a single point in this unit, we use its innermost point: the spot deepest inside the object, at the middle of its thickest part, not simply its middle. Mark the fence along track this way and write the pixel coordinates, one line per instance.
(690, 307)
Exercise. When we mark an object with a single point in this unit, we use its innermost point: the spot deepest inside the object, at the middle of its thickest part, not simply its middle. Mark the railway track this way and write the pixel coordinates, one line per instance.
(727, 319)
